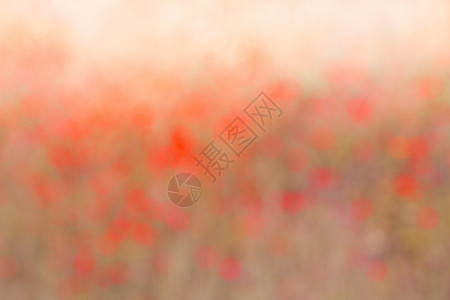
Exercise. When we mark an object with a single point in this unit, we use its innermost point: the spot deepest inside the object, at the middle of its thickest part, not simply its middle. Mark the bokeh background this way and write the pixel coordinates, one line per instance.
(345, 196)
